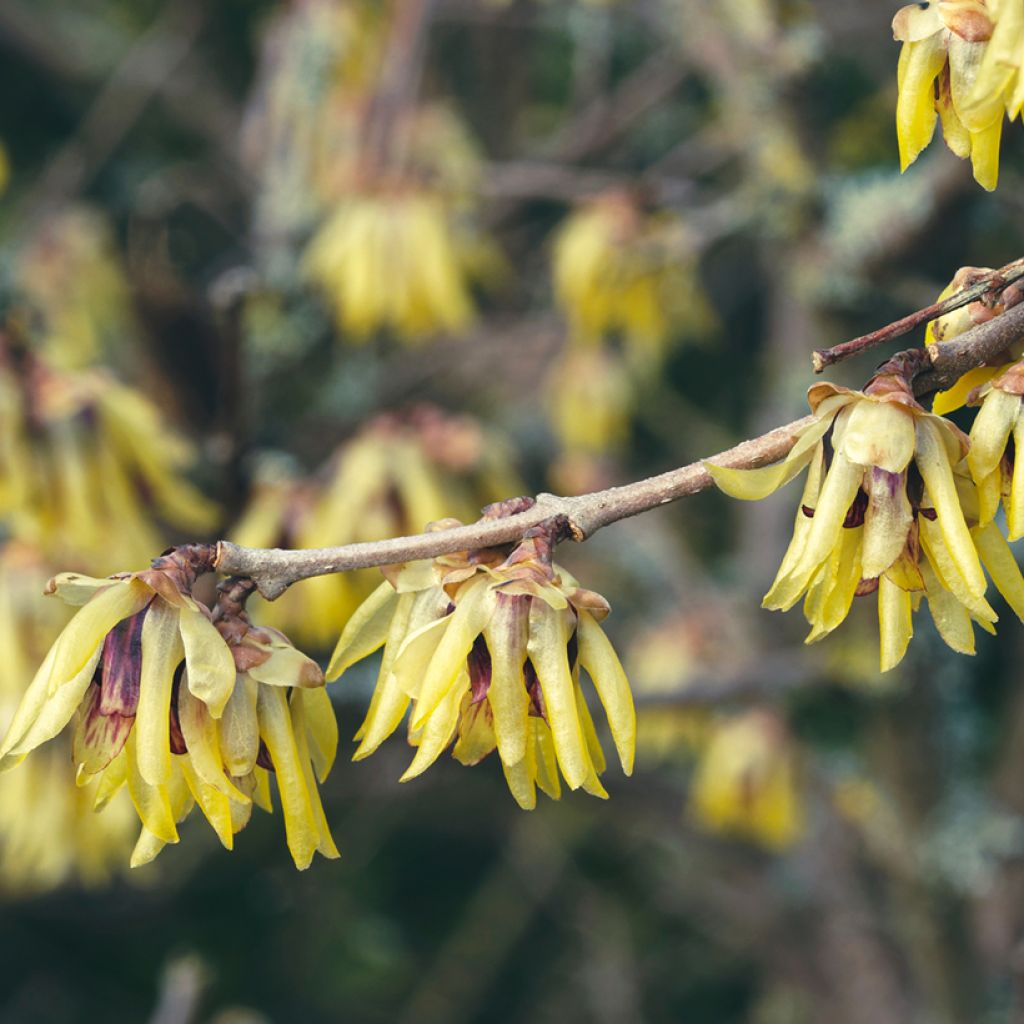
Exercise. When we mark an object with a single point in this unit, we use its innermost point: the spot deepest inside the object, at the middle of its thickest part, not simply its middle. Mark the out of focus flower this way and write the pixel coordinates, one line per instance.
(397, 474)
(946, 69)
(880, 493)
(488, 653)
(84, 458)
(746, 783)
(393, 260)
(176, 708)
(49, 833)
(5, 168)
(620, 270)
(69, 273)
(589, 400)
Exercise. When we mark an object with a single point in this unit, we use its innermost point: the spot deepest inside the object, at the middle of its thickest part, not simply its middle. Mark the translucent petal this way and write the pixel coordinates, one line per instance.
(933, 462)
(151, 802)
(301, 732)
(521, 775)
(1001, 565)
(951, 618)
(472, 613)
(216, 807)
(549, 637)
(506, 637)
(895, 626)
(919, 65)
(365, 631)
(887, 521)
(300, 822)
(322, 726)
(211, 668)
(598, 658)
(1015, 505)
(201, 734)
(238, 728)
(438, 728)
(161, 653)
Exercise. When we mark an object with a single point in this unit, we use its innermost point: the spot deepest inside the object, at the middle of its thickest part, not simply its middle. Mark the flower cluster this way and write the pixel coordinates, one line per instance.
(486, 650)
(182, 707)
(889, 508)
(48, 831)
(960, 63)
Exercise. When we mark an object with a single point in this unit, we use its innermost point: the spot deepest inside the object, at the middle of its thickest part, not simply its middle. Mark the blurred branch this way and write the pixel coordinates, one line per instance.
(274, 570)
(181, 989)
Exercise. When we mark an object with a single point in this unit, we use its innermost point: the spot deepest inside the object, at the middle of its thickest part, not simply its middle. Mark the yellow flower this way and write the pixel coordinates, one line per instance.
(991, 468)
(945, 46)
(84, 458)
(167, 703)
(48, 831)
(488, 654)
(880, 492)
(746, 782)
(393, 260)
(618, 269)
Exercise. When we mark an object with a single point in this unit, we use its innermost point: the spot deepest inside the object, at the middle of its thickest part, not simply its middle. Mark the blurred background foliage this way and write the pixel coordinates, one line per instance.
(319, 271)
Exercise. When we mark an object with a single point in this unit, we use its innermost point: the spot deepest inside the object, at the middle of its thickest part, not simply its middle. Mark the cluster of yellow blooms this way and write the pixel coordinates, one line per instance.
(962, 62)
(181, 707)
(626, 281)
(396, 474)
(88, 469)
(488, 650)
(395, 247)
(900, 503)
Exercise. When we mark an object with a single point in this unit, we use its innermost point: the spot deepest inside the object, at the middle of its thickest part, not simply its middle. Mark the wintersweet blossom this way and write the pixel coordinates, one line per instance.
(487, 652)
(880, 493)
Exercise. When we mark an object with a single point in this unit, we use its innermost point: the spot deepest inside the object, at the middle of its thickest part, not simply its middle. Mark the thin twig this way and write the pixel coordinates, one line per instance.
(274, 570)
(994, 280)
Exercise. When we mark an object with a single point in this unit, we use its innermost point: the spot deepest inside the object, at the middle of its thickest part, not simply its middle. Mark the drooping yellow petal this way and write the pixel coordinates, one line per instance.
(919, 65)
(985, 155)
(887, 521)
(287, 667)
(549, 637)
(211, 668)
(1015, 504)
(201, 735)
(216, 807)
(946, 402)
(948, 572)
(438, 728)
(506, 637)
(546, 759)
(301, 732)
(932, 461)
(472, 612)
(1001, 565)
(365, 631)
(300, 823)
(322, 726)
(31, 728)
(85, 633)
(951, 618)
(152, 802)
(521, 775)
(990, 432)
(598, 658)
(239, 731)
(895, 625)
(755, 484)
(161, 653)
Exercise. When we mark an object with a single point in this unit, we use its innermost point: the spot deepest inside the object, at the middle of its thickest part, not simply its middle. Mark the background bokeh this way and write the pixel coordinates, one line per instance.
(321, 271)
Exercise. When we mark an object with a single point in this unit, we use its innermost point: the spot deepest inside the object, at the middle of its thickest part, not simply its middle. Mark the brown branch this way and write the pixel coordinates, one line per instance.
(274, 570)
(993, 281)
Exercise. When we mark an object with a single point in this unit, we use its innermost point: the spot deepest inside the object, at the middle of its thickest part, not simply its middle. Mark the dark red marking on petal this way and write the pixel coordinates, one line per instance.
(855, 513)
(122, 667)
(263, 758)
(537, 709)
(479, 662)
(177, 738)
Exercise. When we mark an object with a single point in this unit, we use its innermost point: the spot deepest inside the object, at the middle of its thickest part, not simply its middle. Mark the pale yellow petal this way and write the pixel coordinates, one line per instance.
(365, 631)
(211, 668)
(161, 654)
(895, 625)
